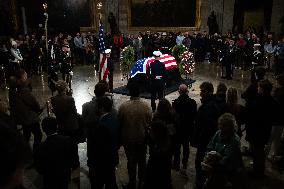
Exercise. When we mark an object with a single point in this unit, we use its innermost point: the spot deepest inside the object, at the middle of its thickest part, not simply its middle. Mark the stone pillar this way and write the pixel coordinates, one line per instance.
(123, 16)
(205, 12)
(228, 15)
(14, 14)
(24, 18)
(218, 7)
(111, 6)
(277, 14)
(224, 11)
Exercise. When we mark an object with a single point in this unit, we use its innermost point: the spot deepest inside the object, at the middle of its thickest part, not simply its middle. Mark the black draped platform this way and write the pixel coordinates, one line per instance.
(173, 80)
(145, 94)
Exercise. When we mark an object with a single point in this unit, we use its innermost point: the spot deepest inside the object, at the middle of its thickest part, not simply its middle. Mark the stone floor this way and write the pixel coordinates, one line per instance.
(84, 80)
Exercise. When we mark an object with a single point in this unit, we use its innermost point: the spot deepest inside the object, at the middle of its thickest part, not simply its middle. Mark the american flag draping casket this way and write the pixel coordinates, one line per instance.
(141, 65)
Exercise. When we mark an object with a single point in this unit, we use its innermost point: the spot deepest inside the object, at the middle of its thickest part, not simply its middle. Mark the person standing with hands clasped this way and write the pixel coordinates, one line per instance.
(156, 73)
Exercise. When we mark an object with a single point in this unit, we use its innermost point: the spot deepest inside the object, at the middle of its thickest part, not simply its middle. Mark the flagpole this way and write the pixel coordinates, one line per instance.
(99, 7)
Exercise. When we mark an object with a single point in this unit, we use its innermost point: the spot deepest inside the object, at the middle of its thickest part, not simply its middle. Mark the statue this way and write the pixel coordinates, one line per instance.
(112, 23)
(212, 24)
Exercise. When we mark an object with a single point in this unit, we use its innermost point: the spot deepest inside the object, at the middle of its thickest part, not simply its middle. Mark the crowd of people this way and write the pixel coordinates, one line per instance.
(232, 51)
(214, 129)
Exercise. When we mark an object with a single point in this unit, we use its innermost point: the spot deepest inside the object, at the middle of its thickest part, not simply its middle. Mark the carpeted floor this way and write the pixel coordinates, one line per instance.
(124, 91)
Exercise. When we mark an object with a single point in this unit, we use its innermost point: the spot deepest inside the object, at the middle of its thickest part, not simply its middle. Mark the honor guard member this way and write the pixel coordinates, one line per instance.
(230, 59)
(110, 67)
(156, 74)
(257, 60)
(66, 64)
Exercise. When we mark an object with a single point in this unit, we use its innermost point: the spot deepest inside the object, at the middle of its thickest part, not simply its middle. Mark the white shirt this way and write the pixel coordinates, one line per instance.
(179, 39)
(16, 54)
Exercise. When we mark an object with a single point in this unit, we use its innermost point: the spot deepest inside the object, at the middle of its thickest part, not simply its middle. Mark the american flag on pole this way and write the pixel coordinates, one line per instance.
(103, 59)
(142, 64)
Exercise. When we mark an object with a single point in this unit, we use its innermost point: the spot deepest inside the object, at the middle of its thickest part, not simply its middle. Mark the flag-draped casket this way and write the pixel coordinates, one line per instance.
(138, 71)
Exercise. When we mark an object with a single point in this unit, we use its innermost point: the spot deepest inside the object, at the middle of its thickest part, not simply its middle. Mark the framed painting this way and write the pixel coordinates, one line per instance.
(164, 15)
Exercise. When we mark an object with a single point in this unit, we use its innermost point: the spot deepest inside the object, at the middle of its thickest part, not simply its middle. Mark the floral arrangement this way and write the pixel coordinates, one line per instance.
(127, 57)
(177, 52)
(184, 58)
(187, 64)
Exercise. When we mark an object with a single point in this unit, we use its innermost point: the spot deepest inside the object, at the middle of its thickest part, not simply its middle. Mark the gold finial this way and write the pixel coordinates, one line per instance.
(44, 6)
(99, 5)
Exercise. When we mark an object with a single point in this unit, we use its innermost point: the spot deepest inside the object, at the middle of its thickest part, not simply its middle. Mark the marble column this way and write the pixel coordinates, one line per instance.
(228, 15)
(123, 16)
(224, 11)
(276, 16)
(14, 14)
(111, 6)
(205, 12)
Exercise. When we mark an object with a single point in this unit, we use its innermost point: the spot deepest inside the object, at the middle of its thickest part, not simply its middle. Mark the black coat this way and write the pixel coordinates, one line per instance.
(279, 97)
(53, 157)
(221, 102)
(206, 123)
(103, 142)
(250, 94)
(261, 116)
(186, 109)
(229, 55)
(25, 108)
(65, 111)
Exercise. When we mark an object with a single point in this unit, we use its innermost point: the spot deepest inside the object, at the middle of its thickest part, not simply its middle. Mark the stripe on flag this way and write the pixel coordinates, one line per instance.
(141, 65)
(103, 59)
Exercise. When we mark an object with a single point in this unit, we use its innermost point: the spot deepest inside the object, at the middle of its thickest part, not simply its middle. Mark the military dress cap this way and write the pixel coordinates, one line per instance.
(14, 43)
(157, 53)
(107, 51)
(257, 45)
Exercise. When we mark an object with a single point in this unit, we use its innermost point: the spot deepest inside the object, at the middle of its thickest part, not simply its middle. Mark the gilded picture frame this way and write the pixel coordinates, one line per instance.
(133, 26)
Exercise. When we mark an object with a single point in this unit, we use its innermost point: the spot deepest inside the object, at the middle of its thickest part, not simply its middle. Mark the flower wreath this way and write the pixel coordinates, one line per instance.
(127, 57)
(184, 58)
(187, 65)
(177, 52)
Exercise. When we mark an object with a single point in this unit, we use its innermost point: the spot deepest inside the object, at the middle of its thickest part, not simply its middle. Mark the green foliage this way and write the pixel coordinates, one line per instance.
(177, 52)
(127, 58)
(181, 68)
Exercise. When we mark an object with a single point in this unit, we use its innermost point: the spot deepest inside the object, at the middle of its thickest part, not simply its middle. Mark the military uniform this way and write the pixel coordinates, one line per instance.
(228, 61)
(257, 60)
(156, 74)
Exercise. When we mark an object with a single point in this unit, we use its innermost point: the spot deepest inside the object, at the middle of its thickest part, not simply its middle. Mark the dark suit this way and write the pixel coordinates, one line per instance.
(90, 113)
(53, 160)
(261, 116)
(228, 60)
(186, 109)
(65, 111)
(206, 126)
(25, 110)
(103, 145)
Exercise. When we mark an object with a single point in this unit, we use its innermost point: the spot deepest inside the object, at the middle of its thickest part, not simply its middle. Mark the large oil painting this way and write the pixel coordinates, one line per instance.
(164, 14)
